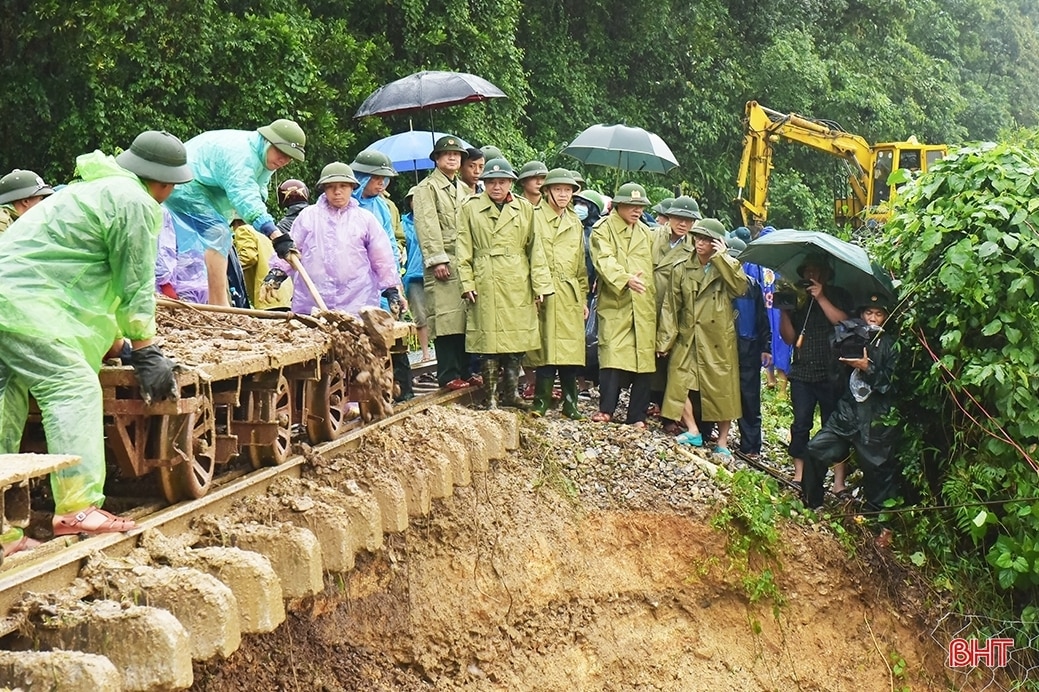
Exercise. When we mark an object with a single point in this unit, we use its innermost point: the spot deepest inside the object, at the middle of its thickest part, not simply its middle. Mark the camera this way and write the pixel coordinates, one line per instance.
(784, 300)
(805, 283)
(851, 337)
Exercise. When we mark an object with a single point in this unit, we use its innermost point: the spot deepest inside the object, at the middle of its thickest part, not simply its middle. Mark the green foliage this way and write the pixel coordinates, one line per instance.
(965, 246)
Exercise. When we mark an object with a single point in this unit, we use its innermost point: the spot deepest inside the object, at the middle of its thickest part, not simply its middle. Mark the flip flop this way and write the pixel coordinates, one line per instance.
(722, 451)
(688, 438)
(70, 524)
(22, 544)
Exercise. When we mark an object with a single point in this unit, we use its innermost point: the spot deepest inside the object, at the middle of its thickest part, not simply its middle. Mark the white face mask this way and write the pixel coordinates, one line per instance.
(581, 211)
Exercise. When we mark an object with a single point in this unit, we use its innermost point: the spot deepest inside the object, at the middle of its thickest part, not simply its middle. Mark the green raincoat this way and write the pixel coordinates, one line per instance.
(627, 320)
(562, 314)
(665, 258)
(698, 330)
(77, 272)
(501, 258)
(436, 202)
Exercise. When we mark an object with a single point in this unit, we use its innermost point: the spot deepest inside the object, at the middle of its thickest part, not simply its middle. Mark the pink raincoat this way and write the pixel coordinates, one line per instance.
(347, 254)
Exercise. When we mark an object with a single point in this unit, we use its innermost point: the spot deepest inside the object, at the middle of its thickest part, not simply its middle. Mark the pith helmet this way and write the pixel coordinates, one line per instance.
(157, 156)
(576, 175)
(291, 192)
(373, 162)
(447, 143)
(593, 197)
(663, 205)
(684, 207)
(497, 168)
(287, 137)
(20, 184)
(532, 169)
(735, 245)
(336, 172)
(631, 193)
(712, 228)
(561, 176)
(491, 152)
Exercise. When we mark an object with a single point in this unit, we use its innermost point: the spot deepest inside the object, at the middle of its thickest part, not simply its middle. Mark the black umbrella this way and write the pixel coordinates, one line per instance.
(427, 90)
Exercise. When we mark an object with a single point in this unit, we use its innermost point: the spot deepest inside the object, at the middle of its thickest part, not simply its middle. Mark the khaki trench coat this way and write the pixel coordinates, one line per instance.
(501, 258)
(436, 203)
(562, 314)
(665, 258)
(627, 320)
(698, 330)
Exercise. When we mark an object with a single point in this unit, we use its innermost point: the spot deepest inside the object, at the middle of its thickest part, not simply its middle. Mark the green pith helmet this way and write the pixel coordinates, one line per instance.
(287, 137)
(157, 156)
(593, 197)
(684, 207)
(20, 184)
(663, 205)
(491, 152)
(631, 193)
(532, 169)
(373, 162)
(560, 176)
(736, 246)
(447, 143)
(712, 228)
(336, 172)
(497, 168)
(576, 175)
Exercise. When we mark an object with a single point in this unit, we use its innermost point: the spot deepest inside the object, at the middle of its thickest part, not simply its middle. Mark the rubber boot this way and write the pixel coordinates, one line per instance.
(542, 396)
(510, 382)
(570, 410)
(489, 370)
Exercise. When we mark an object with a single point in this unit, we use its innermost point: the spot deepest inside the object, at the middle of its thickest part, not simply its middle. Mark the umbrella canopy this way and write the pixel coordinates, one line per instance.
(785, 250)
(409, 151)
(426, 90)
(622, 147)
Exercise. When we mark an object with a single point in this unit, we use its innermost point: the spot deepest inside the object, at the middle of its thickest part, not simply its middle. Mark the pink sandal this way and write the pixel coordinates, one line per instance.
(70, 524)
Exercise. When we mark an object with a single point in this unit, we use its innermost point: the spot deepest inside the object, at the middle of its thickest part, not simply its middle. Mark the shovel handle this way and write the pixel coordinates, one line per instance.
(293, 260)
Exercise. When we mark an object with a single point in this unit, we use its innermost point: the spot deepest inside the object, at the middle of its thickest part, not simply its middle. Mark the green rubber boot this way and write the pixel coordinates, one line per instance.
(489, 370)
(569, 387)
(509, 383)
(542, 396)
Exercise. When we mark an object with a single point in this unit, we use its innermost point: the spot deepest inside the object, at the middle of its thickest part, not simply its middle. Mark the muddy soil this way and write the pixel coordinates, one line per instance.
(518, 583)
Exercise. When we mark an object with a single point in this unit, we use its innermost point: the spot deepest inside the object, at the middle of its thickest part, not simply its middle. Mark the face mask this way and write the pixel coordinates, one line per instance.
(581, 211)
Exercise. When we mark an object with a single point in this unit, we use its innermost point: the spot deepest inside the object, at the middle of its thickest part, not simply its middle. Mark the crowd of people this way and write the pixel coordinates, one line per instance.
(534, 294)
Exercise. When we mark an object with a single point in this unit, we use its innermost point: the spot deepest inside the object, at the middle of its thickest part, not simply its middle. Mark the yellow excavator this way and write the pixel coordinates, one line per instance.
(863, 201)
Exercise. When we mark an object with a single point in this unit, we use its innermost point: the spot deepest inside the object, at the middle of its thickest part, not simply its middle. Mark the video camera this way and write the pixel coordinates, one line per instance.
(851, 336)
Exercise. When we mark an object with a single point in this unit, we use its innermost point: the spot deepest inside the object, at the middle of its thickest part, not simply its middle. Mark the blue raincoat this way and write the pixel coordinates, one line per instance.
(381, 210)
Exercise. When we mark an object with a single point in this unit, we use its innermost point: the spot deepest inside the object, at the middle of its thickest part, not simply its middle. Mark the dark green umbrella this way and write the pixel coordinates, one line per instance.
(622, 147)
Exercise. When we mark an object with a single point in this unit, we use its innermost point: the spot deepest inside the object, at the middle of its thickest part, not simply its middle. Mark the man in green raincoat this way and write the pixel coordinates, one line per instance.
(563, 313)
(698, 331)
(79, 275)
(621, 247)
(436, 203)
(503, 275)
(671, 246)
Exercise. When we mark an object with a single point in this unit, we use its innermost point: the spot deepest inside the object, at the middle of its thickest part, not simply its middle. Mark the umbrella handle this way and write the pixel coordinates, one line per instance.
(804, 327)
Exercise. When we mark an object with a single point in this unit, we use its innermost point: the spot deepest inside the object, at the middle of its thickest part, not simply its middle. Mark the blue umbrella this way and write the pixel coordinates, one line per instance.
(410, 150)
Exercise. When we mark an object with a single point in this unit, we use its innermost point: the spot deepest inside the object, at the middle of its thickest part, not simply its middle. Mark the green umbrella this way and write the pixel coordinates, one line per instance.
(785, 251)
(622, 147)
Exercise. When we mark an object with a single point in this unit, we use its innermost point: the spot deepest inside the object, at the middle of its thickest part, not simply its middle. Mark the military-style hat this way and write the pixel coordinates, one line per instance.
(157, 156)
(336, 172)
(736, 246)
(448, 143)
(684, 207)
(491, 152)
(561, 176)
(287, 137)
(576, 175)
(631, 193)
(498, 168)
(373, 162)
(876, 300)
(533, 169)
(663, 205)
(19, 184)
(593, 197)
(712, 228)
(741, 232)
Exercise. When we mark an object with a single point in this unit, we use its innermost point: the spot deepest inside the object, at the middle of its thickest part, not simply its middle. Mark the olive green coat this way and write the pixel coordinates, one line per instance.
(665, 258)
(436, 203)
(7, 217)
(627, 320)
(562, 314)
(698, 330)
(501, 258)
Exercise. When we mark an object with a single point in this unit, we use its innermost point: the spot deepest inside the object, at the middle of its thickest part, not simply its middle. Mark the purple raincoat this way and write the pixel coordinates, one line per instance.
(183, 268)
(347, 254)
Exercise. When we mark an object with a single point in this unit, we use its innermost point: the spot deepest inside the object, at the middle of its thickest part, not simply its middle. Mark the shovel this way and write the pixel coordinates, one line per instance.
(293, 260)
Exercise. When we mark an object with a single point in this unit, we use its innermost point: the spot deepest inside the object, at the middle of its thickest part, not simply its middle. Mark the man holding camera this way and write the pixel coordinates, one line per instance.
(813, 373)
(856, 424)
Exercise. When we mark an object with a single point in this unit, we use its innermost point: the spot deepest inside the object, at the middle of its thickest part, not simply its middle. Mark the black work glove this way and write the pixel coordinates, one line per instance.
(392, 296)
(283, 245)
(275, 278)
(154, 374)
